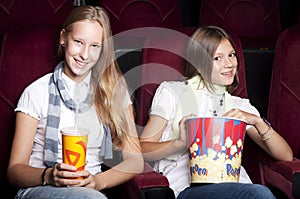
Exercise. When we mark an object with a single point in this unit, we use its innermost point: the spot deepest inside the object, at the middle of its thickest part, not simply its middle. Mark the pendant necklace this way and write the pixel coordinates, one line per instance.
(218, 104)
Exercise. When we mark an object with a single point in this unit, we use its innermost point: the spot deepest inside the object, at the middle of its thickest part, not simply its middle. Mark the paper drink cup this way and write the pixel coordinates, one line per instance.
(216, 149)
(74, 145)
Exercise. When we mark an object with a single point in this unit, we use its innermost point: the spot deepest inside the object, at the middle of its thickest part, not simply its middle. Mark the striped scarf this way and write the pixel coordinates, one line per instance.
(58, 93)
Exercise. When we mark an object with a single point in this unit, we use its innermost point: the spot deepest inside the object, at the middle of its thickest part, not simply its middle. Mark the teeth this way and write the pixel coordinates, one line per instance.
(226, 73)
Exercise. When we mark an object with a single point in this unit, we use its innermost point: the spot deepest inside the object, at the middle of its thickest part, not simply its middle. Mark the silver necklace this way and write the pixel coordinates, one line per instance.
(218, 103)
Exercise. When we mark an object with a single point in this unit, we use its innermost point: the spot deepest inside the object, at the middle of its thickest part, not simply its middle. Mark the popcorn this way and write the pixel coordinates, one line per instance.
(228, 142)
(233, 150)
(216, 139)
(240, 143)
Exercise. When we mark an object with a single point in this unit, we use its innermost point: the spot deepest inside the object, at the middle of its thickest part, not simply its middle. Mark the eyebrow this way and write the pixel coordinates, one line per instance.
(221, 53)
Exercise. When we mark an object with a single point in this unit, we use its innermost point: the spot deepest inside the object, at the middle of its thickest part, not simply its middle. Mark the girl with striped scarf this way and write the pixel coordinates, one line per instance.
(86, 88)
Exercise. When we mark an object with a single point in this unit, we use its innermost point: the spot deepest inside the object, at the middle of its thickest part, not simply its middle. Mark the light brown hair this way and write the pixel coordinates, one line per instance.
(200, 51)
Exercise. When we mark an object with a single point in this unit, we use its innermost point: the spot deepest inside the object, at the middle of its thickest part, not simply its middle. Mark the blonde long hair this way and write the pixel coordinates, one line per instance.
(107, 79)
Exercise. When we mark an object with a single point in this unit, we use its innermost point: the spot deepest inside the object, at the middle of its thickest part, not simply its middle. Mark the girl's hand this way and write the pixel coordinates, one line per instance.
(67, 175)
(242, 115)
(87, 180)
(184, 137)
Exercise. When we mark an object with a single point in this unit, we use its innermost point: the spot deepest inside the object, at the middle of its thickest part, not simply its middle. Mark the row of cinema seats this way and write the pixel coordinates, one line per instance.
(29, 53)
(16, 14)
(257, 23)
(144, 51)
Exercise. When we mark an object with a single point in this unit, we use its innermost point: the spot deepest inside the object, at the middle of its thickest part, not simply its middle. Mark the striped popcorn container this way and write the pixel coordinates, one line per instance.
(216, 147)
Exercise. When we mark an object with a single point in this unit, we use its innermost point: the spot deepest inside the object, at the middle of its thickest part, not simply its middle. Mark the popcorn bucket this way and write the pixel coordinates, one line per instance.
(216, 149)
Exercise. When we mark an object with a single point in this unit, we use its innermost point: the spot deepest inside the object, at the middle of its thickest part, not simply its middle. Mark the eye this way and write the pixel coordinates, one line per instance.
(232, 55)
(96, 46)
(78, 42)
(217, 58)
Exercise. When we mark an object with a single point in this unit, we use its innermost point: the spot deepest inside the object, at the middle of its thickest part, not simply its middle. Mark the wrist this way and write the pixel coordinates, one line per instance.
(99, 182)
(266, 122)
(266, 135)
(179, 145)
(45, 180)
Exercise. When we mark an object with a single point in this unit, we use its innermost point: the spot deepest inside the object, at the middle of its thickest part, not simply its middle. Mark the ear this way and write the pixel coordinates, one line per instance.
(62, 38)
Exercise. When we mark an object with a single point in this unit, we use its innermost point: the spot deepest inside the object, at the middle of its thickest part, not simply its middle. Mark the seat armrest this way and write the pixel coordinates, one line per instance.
(149, 184)
(282, 175)
(286, 168)
(146, 185)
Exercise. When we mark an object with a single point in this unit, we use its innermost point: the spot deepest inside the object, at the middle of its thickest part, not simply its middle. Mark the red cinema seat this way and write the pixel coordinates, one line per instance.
(130, 14)
(284, 113)
(256, 22)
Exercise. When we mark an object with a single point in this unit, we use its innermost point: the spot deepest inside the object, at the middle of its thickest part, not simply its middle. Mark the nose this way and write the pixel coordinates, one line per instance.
(84, 52)
(229, 62)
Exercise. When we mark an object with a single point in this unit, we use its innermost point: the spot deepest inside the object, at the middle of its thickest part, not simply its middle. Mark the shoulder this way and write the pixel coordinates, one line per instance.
(244, 104)
(239, 100)
(175, 88)
(39, 85)
(33, 100)
(172, 84)
(166, 99)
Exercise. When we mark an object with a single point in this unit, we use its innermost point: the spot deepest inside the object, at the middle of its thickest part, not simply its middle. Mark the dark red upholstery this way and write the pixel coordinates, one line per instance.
(162, 59)
(26, 55)
(284, 112)
(256, 22)
(19, 13)
(129, 14)
(284, 103)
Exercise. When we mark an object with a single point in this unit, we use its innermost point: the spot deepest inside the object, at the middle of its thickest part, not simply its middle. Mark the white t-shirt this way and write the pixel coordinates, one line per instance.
(34, 102)
(164, 104)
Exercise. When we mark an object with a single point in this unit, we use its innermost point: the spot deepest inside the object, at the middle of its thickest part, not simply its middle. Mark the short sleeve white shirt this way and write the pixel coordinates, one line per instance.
(34, 102)
(164, 104)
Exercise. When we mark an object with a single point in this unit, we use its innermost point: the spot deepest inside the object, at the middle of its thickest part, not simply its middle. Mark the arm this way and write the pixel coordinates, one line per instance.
(152, 148)
(132, 164)
(19, 171)
(271, 142)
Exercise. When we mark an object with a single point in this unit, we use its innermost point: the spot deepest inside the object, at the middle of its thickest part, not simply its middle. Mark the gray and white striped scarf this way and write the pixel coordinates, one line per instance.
(57, 92)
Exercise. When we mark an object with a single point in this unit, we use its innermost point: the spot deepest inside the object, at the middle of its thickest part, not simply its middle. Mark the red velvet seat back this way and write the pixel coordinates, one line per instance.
(129, 14)
(284, 101)
(256, 22)
(26, 55)
(16, 14)
(162, 59)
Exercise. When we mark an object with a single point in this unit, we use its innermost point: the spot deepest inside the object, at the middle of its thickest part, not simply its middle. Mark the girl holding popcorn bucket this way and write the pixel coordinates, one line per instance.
(210, 78)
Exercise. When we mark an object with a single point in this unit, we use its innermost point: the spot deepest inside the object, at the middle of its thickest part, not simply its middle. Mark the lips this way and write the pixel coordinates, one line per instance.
(229, 73)
(80, 63)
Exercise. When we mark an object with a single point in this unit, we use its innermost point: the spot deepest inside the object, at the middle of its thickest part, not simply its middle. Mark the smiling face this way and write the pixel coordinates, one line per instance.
(224, 64)
(82, 48)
